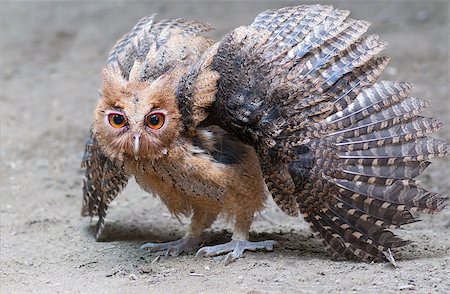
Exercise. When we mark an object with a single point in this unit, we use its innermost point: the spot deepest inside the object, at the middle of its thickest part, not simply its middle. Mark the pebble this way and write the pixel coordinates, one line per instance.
(407, 287)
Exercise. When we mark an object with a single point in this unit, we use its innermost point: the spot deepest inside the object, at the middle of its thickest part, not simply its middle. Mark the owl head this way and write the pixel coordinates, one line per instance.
(136, 119)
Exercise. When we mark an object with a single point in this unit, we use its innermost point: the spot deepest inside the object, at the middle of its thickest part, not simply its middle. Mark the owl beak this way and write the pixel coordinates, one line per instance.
(136, 144)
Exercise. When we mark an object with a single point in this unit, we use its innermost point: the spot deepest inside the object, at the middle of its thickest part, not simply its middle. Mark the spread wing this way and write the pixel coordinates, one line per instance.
(300, 85)
(152, 48)
(148, 51)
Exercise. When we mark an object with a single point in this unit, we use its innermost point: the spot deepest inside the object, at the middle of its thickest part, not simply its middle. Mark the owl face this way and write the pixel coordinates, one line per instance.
(137, 120)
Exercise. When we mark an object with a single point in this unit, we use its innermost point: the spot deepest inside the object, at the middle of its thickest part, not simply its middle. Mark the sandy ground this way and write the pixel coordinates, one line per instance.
(51, 58)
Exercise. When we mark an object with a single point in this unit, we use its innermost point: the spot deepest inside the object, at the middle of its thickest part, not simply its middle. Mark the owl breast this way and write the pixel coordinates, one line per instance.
(178, 187)
(203, 170)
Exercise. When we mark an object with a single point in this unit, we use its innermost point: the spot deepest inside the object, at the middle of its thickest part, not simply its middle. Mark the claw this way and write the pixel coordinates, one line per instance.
(172, 248)
(235, 249)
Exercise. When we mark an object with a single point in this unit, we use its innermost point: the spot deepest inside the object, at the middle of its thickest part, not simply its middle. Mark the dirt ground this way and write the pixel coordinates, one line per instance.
(51, 56)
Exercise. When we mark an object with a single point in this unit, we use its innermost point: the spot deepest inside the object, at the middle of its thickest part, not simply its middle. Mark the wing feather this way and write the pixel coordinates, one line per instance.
(300, 85)
(102, 182)
(156, 47)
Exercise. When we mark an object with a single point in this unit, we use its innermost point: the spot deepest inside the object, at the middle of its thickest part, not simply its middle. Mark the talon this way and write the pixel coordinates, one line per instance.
(230, 258)
(269, 247)
(235, 249)
(200, 253)
(173, 251)
(172, 248)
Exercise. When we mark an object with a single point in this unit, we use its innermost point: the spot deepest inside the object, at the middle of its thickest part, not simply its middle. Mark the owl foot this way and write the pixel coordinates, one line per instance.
(235, 249)
(173, 248)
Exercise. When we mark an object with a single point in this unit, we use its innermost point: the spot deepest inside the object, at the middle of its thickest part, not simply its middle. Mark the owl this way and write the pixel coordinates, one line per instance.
(289, 107)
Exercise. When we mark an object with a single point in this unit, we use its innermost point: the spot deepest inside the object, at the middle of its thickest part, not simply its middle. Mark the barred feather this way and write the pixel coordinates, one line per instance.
(332, 26)
(272, 18)
(350, 144)
(299, 25)
(370, 210)
(150, 37)
(398, 171)
(350, 85)
(330, 51)
(102, 182)
(410, 130)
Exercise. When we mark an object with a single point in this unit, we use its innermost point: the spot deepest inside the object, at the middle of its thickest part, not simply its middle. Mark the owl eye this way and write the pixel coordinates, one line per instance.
(117, 120)
(155, 121)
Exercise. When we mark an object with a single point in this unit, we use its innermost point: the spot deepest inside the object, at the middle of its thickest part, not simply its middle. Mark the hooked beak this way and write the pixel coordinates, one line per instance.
(136, 144)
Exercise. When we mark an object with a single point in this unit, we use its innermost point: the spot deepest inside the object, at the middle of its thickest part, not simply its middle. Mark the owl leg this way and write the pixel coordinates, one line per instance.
(239, 243)
(200, 221)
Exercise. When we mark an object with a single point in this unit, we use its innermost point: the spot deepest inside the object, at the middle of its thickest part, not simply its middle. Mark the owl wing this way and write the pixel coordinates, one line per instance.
(153, 48)
(102, 182)
(300, 85)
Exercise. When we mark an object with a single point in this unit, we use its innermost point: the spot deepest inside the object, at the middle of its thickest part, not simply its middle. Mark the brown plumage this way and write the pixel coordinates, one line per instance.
(298, 90)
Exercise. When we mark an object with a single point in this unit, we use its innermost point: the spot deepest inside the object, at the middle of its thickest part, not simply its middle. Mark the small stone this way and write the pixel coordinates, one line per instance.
(407, 287)
(145, 269)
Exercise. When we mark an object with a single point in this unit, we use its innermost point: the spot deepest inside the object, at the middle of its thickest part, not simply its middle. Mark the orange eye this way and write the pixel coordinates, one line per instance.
(155, 121)
(117, 120)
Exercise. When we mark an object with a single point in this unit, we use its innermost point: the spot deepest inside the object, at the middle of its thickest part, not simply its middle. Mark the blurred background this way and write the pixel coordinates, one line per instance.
(51, 56)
